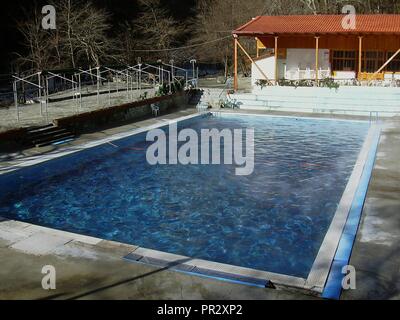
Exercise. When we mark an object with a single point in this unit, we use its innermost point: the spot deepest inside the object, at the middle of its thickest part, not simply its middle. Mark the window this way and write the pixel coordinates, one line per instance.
(372, 61)
(394, 65)
(344, 61)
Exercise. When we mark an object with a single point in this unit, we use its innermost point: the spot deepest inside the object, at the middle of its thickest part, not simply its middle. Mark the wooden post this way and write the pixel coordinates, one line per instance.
(258, 50)
(235, 71)
(360, 44)
(316, 58)
(276, 60)
(252, 61)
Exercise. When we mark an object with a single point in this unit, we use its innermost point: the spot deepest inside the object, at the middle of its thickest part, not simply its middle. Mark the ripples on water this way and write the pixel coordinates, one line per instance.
(273, 220)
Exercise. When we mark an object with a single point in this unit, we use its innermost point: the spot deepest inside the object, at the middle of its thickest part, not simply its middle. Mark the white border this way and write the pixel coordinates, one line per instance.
(71, 150)
(223, 112)
(320, 270)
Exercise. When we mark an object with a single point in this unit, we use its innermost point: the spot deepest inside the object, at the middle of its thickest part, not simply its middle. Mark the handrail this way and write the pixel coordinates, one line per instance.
(26, 81)
(227, 85)
(53, 75)
(30, 76)
(156, 68)
(175, 67)
(90, 74)
(117, 71)
(141, 70)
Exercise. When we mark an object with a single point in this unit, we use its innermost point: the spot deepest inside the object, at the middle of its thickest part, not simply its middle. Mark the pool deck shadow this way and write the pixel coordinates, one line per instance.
(126, 281)
(91, 274)
(91, 271)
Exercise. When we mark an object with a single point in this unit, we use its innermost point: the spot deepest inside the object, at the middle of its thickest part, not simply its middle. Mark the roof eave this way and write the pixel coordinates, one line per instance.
(348, 33)
(247, 24)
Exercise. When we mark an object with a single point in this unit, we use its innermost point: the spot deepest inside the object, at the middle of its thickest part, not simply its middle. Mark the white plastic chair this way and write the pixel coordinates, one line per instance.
(155, 110)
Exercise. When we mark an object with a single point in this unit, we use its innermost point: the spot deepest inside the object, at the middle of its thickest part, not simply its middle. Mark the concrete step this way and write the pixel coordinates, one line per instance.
(48, 135)
(295, 98)
(58, 141)
(331, 103)
(386, 103)
(34, 130)
(45, 133)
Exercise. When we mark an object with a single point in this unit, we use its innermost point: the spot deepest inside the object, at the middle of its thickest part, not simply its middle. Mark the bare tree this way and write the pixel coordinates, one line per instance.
(362, 6)
(81, 37)
(83, 30)
(214, 24)
(92, 36)
(157, 30)
(38, 42)
(127, 43)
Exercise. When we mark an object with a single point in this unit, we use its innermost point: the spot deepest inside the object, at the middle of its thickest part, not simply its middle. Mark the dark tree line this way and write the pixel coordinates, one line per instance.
(87, 35)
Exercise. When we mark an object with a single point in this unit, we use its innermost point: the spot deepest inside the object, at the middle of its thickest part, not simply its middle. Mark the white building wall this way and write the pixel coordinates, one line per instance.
(305, 58)
(296, 59)
(267, 65)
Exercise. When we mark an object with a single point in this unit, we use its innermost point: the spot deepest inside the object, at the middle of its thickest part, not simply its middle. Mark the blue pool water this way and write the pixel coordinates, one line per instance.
(273, 220)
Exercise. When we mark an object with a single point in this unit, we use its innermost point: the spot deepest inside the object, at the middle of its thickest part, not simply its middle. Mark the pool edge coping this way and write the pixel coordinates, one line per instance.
(321, 268)
(334, 287)
(38, 159)
(315, 281)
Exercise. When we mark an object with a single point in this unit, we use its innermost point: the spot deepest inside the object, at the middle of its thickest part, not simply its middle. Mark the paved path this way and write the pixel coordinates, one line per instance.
(31, 114)
(376, 254)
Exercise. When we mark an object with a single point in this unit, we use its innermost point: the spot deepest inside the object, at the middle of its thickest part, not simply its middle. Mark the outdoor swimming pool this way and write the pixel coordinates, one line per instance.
(272, 220)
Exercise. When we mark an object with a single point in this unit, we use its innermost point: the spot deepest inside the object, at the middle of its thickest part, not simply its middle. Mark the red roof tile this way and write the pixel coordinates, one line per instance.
(320, 24)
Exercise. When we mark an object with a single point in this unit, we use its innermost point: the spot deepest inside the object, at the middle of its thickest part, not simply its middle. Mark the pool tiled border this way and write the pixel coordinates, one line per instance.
(333, 287)
(70, 150)
(213, 269)
(323, 262)
(320, 271)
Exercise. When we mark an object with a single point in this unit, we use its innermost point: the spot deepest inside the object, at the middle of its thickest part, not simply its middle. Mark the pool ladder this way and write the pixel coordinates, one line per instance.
(217, 113)
(373, 117)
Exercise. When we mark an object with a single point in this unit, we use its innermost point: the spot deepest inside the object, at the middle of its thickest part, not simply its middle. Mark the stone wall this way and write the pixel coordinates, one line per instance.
(12, 139)
(136, 110)
(16, 139)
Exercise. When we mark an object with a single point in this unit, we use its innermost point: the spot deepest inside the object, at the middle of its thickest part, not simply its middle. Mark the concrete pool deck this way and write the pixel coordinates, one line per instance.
(86, 267)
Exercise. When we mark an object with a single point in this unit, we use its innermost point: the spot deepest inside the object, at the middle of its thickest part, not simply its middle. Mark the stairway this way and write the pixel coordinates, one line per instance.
(350, 100)
(210, 96)
(49, 135)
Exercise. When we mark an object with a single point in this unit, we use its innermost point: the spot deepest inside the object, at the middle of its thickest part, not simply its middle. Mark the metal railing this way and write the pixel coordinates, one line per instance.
(138, 77)
(24, 80)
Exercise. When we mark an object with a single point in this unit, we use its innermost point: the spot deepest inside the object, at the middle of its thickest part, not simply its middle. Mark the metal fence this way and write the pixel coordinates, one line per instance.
(104, 83)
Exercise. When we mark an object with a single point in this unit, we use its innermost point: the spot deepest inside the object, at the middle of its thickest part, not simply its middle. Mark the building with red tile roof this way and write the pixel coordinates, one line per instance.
(350, 47)
(321, 24)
